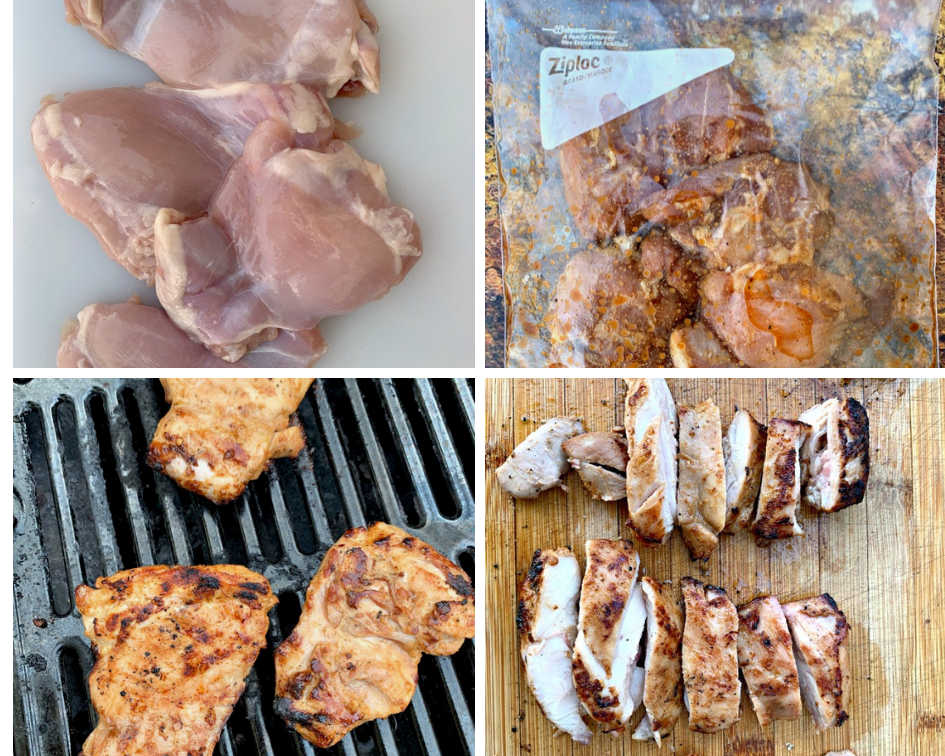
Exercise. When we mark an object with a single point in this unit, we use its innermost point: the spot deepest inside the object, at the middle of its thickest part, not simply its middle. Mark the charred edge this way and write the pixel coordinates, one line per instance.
(770, 525)
(600, 707)
(284, 708)
(459, 583)
(523, 618)
(535, 570)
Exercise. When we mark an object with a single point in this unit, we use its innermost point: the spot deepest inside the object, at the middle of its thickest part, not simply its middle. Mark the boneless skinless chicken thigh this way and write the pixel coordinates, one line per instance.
(327, 45)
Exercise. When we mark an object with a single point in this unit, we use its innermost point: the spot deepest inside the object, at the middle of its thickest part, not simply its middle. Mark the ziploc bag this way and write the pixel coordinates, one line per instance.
(714, 184)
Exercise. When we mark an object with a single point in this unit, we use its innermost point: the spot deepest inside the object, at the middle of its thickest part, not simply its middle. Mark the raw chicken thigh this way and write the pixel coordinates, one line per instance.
(328, 45)
(116, 157)
(132, 335)
(293, 235)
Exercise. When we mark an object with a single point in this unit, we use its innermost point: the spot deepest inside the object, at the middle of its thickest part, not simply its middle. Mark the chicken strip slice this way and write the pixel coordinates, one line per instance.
(650, 421)
(710, 658)
(173, 646)
(836, 454)
(601, 461)
(662, 693)
(781, 481)
(744, 451)
(547, 626)
(820, 631)
(610, 625)
(701, 498)
(220, 434)
(539, 462)
(380, 599)
(766, 658)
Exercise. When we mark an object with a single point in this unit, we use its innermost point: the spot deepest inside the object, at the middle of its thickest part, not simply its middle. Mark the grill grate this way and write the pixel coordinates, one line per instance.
(86, 504)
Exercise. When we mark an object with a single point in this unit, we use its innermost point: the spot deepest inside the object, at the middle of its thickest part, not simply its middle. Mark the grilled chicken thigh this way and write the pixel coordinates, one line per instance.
(701, 498)
(836, 454)
(820, 630)
(173, 646)
(766, 658)
(662, 692)
(744, 448)
(781, 481)
(601, 461)
(709, 658)
(380, 599)
(539, 462)
(610, 625)
(650, 421)
(219, 434)
(547, 625)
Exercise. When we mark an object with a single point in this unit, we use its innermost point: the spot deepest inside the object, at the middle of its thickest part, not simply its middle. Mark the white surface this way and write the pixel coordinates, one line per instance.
(420, 128)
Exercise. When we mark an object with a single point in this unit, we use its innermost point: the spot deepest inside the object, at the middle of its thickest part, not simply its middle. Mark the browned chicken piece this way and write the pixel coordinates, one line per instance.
(780, 493)
(793, 316)
(662, 691)
(172, 646)
(610, 624)
(380, 599)
(701, 498)
(744, 449)
(710, 658)
(650, 421)
(820, 630)
(610, 310)
(610, 171)
(766, 658)
(751, 209)
(220, 434)
(601, 461)
(695, 346)
(836, 455)
(539, 462)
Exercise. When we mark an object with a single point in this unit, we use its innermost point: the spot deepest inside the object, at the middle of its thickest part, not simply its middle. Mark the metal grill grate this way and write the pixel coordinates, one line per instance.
(86, 504)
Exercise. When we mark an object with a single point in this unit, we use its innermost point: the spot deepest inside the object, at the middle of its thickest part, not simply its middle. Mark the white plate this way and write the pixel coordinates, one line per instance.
(420, 128)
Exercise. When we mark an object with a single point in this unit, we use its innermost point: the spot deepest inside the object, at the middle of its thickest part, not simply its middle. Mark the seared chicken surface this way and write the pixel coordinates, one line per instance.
(662, 692)
(650, 421)
(173, 646)
(380, 599)
(836, 454)
(547, 626)
(820, 630)
(744, 449)
(601, 461)
(610, 625)
(701, 499)
(220, 434)
(781, 481)
(696, 346)
(766, 658)
(539, 462)
(709, 658)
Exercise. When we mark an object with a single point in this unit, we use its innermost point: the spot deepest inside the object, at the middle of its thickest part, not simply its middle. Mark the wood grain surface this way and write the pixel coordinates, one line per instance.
(881, 560)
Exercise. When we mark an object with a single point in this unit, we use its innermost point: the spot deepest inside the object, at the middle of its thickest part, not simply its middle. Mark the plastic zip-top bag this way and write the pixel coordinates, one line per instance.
(717, 184)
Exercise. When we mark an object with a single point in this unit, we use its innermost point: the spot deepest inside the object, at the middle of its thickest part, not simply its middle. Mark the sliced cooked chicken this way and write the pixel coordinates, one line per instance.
(710, 658)
(744, 448)
(836, 455)
(539, 462)
(696, 346)
(610, 625)
(220, 434)
(766, 658)
(601, 461)
(650, 421)
(662, 693)
(381, 599)
(172, 646)
(701, 498)
(547, 625)
(820, 630)
(781, 481)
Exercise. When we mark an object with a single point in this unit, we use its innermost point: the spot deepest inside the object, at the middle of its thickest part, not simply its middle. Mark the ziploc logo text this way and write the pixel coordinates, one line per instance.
(565, 66)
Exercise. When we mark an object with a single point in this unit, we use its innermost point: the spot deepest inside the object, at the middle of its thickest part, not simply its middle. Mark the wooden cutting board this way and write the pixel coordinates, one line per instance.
(881, 560)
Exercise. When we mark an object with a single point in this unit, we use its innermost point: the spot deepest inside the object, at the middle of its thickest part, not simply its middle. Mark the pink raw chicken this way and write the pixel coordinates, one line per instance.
(293, 236)
(132, 335)
(115, 157)
(328, 45)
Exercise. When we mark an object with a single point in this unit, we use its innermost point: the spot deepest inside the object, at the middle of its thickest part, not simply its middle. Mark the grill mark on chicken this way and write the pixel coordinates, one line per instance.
(781, 481)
